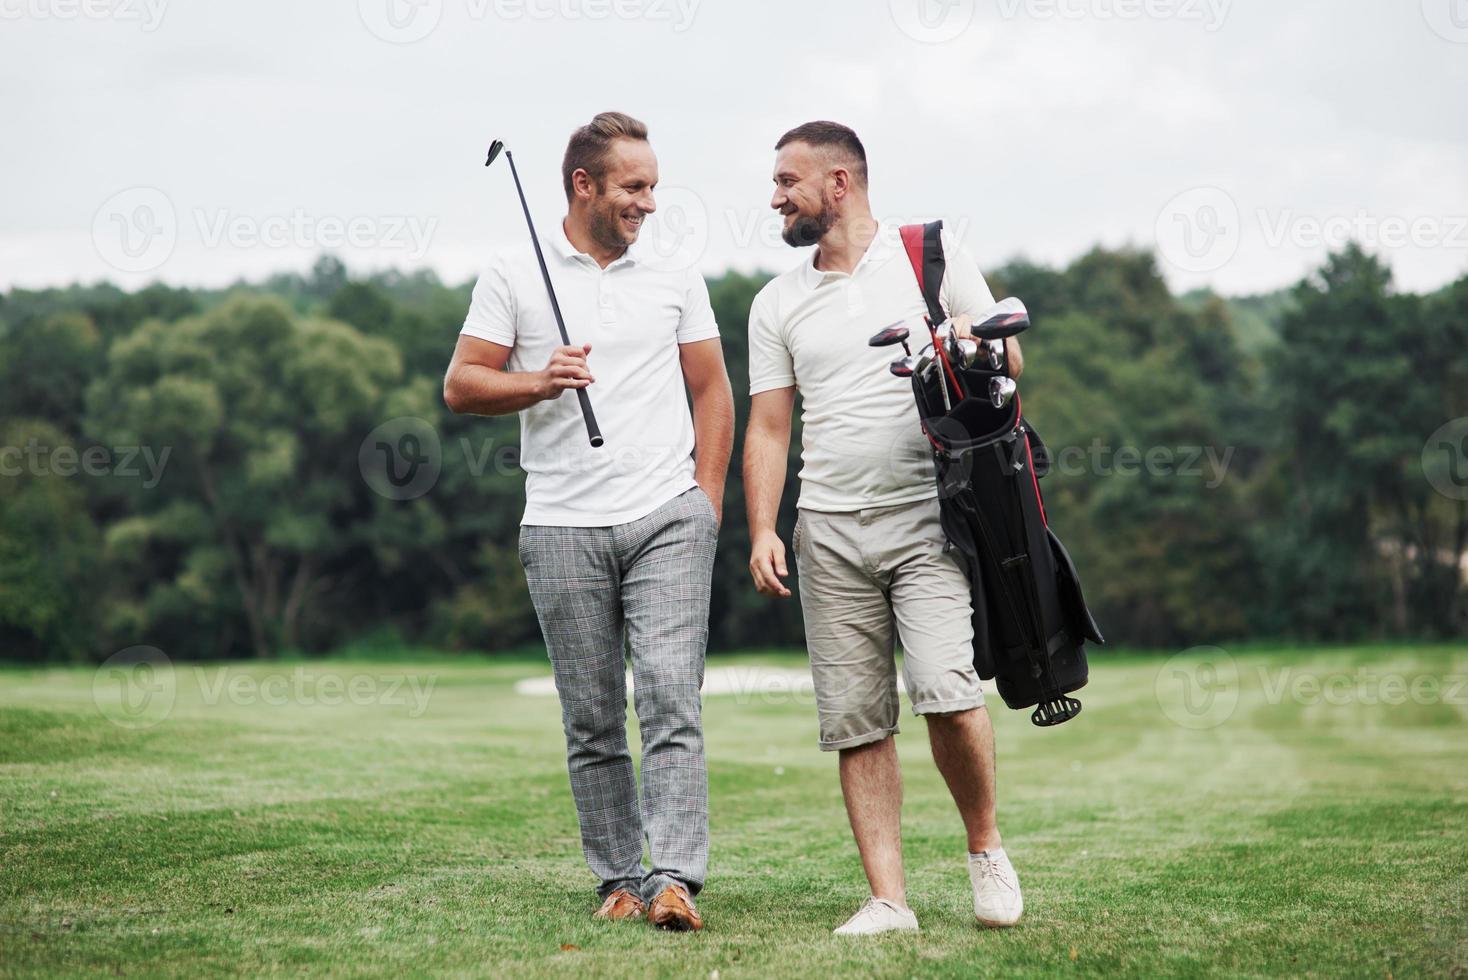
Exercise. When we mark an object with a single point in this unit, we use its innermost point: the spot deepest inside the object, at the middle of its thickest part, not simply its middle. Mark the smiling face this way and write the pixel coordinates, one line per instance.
(802, 194)
(618, 203)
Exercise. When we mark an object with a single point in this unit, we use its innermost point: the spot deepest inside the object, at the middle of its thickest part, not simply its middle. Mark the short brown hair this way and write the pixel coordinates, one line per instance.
(823, 134)
(588, 146)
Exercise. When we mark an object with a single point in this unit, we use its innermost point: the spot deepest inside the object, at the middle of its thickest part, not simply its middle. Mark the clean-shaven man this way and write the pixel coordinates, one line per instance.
(618, 541)
(868, 545)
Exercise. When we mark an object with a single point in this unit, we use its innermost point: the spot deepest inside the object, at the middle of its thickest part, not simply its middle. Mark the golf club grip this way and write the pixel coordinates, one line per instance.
(593, 431)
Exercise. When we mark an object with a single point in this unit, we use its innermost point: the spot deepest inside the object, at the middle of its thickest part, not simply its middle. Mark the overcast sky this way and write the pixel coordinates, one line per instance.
(200, 141)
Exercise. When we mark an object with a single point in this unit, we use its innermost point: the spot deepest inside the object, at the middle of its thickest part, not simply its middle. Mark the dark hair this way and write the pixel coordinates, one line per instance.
(831, 135)
(589, 145)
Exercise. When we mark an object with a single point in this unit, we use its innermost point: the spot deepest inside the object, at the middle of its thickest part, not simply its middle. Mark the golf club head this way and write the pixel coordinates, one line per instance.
(1004, 319)
(965, 352)
(924, 361)
(903, 367)
(894, 334)
(1001, 391)
(995, 353)
(494, 151)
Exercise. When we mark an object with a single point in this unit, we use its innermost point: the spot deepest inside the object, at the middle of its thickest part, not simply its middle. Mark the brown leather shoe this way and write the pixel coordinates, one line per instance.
(674, 909)
(620, 904)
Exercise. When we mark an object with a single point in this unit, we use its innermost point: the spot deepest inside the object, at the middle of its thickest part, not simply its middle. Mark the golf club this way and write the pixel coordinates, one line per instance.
(928, 361)
(903, 367)
(995, 352)
(1004, 319)
(1001, 390)
(895, 334)
(593, 431)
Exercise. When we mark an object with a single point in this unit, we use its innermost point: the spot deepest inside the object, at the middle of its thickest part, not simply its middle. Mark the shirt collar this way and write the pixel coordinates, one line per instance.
(877, 250)
(562, 244)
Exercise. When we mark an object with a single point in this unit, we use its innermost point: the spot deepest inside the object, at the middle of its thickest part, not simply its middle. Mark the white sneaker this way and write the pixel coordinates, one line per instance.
(997, 901)
(878, 915)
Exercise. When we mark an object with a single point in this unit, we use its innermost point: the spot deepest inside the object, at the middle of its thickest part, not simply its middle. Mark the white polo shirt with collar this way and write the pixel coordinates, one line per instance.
(861, 443)
(634, 315)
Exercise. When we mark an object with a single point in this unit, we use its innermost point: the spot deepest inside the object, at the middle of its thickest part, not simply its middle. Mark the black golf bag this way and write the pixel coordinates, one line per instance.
(1030, 619)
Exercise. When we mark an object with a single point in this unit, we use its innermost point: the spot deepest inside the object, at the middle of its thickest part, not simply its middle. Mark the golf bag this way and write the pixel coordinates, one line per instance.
(1030, 619)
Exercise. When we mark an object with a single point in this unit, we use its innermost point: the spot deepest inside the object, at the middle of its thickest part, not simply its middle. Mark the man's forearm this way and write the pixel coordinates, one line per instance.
(764, 477)
(713, 437)
(473, 389)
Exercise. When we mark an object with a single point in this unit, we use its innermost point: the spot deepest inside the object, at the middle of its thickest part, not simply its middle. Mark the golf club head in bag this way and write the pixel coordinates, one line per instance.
(1001, 390)
(1004, 319)
(895, 334)
(903, 367)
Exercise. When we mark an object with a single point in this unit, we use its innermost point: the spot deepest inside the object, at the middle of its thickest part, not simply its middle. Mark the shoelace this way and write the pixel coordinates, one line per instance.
(990, 867)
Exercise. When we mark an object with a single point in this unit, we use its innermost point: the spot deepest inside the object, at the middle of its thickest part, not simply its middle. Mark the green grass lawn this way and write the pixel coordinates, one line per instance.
(1277, 829)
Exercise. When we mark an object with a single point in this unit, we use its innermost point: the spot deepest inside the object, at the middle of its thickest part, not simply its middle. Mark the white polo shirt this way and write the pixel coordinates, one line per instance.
(861, 443)
(634, 316)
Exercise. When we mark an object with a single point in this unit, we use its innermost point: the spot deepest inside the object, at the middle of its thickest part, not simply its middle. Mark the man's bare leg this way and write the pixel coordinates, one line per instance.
(963, 748)
(871, 782)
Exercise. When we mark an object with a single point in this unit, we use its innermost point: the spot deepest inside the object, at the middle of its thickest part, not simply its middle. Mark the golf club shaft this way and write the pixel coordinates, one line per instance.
(593, 431)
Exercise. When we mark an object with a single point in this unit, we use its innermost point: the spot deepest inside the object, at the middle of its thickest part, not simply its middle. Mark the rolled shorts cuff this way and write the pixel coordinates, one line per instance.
(949, 707)
(836, 745)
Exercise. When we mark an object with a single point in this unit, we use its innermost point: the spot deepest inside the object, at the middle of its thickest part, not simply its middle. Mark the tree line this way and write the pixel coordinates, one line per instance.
(192, 469)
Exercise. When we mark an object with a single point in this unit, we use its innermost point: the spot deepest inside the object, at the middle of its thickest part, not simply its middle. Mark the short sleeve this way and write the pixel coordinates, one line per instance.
(964, 288)
(492, 308)
(770, 363)
(697, 319)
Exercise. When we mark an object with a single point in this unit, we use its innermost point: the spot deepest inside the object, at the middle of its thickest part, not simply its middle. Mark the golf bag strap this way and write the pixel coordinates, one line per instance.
(924, 245)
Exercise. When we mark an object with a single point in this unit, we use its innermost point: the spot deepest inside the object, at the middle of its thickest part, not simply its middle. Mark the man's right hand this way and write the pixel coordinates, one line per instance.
(566, 369)
(767, 565)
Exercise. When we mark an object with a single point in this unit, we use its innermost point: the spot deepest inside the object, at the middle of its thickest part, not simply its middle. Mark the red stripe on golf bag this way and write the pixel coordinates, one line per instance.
(912, 241)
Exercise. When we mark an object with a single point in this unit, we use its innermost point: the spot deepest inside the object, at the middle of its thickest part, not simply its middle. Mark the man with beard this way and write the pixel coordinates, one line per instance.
(868, 542)
(617, 542)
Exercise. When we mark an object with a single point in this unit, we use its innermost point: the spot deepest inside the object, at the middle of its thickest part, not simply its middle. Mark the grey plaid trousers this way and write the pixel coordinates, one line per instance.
(596, 591)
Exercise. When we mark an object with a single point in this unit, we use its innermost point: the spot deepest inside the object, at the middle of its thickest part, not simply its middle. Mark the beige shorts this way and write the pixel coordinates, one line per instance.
(862, 573)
